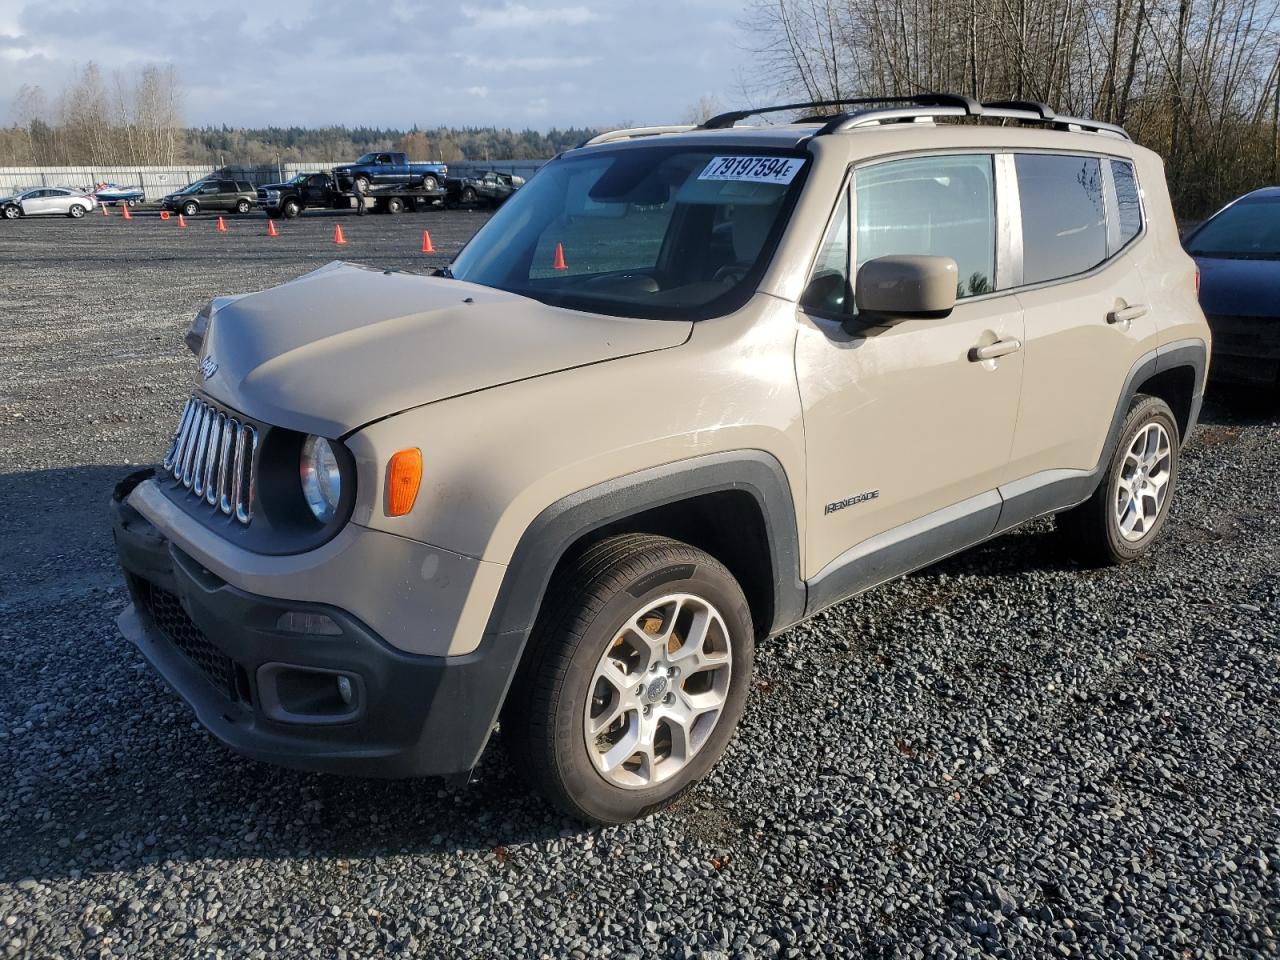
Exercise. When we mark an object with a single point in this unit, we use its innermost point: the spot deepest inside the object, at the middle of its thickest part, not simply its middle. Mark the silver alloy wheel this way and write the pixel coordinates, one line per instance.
(658, 691)
(1142, 485)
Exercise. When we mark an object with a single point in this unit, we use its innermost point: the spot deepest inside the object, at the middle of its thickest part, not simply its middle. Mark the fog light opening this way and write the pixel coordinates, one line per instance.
(316, 624)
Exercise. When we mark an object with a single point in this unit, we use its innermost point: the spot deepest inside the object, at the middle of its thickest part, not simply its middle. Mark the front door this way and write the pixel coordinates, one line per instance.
(907, 431)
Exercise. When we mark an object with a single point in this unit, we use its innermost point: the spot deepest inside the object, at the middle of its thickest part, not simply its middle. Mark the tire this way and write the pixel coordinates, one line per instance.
(290, 209)
(76, 211)
(1115, 525)
(361, 185)
(242, 206)
(394, 205)
(468, 195)
(11, 211)
(190, 208)
(429, 182)
(577, 650)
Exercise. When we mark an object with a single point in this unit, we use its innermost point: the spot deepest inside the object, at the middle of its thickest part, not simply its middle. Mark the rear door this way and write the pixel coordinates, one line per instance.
(1087, 319)
(903, 425)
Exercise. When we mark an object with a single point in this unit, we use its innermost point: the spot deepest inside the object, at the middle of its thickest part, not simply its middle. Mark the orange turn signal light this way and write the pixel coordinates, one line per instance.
(404, 476)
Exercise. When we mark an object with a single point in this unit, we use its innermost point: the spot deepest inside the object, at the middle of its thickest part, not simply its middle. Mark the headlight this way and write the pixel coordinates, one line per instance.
(321, 478)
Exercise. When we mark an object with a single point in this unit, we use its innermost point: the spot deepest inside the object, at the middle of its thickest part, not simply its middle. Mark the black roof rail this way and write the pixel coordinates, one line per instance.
(1032, 105)
(723, 120)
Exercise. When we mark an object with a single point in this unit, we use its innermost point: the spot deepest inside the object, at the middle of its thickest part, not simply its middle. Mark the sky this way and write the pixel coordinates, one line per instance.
(393, 63)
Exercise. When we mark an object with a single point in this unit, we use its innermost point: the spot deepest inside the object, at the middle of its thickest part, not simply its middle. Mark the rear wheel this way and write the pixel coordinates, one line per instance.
(635, 679)
(1131, 504)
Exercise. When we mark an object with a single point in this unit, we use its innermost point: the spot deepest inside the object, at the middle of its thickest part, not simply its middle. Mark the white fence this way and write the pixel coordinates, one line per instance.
(158, 181)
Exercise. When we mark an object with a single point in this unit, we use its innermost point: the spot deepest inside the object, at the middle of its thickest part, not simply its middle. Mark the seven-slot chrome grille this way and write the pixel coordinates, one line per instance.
(212, 456)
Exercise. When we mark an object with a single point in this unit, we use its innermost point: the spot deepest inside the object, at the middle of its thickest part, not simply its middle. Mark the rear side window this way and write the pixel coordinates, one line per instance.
(935, 206)
(1064, 215)
(1128, 200)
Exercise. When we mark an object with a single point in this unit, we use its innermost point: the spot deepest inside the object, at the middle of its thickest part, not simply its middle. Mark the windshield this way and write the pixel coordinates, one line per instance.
(1247, 230)
(664, 232)
(298, 178)
(368, 158)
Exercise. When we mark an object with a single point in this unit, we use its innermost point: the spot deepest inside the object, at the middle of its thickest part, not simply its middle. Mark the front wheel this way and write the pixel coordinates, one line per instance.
(430, 183)
(290, 209)
(635, 679)
(1131, 504)
(468, 195)
(11, 211)
(76, 211)
(242, 206)
(361, 185)
(190, 209)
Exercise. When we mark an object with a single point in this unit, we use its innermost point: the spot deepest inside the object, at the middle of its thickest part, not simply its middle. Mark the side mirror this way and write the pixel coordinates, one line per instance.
(892, 288)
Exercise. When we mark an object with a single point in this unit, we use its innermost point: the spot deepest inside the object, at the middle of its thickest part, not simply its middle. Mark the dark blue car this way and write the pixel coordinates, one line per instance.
(1238, 252)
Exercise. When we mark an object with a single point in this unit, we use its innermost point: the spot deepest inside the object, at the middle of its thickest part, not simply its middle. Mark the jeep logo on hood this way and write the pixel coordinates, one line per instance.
(208, 367)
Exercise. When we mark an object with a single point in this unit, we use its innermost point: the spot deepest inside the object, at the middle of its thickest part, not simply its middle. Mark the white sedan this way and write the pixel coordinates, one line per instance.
(47, 201)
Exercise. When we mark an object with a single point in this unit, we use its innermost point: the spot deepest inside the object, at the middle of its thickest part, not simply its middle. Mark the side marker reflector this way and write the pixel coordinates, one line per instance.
(404, 476)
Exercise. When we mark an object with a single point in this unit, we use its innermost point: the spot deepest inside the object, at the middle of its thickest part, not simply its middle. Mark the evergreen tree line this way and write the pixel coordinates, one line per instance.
(137, 120)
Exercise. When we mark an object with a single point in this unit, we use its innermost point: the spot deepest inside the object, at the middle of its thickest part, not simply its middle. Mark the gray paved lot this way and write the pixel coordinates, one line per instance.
(1001, 754)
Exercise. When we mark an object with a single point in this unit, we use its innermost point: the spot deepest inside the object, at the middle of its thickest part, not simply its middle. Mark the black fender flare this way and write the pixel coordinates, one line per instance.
(558, 526)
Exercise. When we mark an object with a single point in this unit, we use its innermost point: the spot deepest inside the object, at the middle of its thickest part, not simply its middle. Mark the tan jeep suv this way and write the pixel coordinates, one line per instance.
(687, 388)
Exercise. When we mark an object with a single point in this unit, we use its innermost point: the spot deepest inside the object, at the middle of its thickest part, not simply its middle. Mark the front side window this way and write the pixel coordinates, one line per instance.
(932, 206)
(830, 287)
(1064, 218)
(648, 231)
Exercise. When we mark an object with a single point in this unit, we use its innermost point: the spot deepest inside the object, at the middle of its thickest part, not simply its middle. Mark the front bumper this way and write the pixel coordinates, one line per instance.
(273, 695)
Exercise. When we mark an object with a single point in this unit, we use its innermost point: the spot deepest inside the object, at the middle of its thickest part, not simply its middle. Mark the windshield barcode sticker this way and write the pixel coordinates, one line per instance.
(753, 169)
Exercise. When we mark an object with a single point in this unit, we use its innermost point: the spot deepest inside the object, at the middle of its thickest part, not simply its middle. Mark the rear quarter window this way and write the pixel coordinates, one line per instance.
(1128, 200)
(1064, 218)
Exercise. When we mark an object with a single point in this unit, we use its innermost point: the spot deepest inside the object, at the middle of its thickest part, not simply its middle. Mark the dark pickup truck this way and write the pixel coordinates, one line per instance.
(389, 169)
(290, 198)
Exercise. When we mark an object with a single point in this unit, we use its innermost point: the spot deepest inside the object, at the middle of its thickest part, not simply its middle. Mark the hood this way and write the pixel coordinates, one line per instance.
(1239, 288)
(345, 345)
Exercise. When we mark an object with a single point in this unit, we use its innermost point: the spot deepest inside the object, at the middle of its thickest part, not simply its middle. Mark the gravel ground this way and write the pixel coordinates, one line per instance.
(1003, 754)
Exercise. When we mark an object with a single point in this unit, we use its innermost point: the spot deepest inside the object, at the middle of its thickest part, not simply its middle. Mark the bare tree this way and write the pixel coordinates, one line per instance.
(1197, 80)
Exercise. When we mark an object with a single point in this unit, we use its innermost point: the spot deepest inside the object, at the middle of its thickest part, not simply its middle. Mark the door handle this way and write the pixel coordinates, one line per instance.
(1128, 314)
(992, 350)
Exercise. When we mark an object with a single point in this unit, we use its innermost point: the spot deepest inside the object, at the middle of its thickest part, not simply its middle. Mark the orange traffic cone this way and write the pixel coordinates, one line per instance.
(426, 242)
(164, 214)
(271, 229)
(337, 234)
(182, 223)
(558, 263)
(222, 227)
(127, 214)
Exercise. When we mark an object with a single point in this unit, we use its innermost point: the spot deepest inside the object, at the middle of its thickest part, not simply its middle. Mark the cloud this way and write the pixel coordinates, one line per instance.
(499, 64)
(480, 92)
(518, 16)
